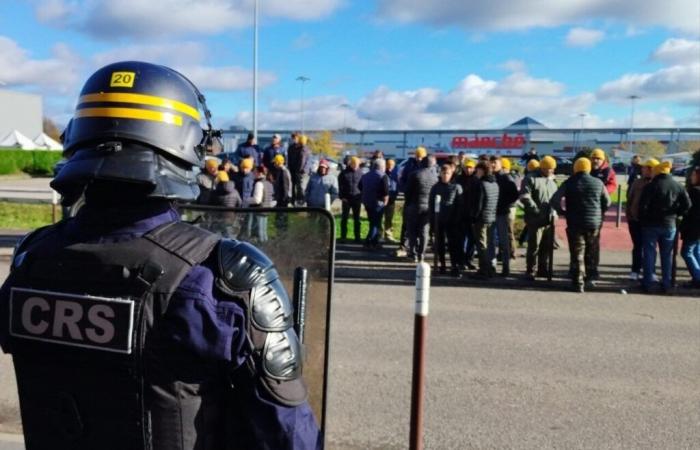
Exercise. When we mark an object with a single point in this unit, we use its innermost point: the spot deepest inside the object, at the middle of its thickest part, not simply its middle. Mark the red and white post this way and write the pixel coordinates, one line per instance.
(419, 337)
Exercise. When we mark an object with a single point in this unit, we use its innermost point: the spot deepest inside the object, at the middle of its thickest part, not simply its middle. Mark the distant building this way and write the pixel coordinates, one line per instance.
(21, 112)
(511, 141)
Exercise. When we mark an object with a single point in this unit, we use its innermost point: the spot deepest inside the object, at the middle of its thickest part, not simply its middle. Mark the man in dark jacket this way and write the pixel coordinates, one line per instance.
(411, 165)
(601, 169)
(507, 196)
(272, 150)
(390, 208)
(586, 200)
(297, 160)
(663, 200)
(445, 218)
(249, 149)
(351, 197)
(374, 188)
(690, 229)
(416, 212)
(467, 179)
(483, 212)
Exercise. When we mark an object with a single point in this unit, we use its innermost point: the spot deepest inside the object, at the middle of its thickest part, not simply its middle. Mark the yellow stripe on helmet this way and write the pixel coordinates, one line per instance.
(122, 97)
(131, 113)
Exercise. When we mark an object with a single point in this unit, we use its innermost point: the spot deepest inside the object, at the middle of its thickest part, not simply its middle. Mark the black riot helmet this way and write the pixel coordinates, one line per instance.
(140, 125)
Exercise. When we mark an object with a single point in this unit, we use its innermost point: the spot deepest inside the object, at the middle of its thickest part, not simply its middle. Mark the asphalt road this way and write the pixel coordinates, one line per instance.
(24, 189)
(508, 367)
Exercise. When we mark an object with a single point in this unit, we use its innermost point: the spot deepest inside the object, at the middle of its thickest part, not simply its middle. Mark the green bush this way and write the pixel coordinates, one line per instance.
(33, 162)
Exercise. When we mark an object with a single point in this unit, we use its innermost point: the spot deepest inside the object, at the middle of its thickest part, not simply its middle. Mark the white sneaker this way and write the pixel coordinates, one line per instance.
(634, 276)
(654, 278)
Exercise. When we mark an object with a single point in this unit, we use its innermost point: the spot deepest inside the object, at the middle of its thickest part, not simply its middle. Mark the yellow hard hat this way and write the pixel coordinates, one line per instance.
(211, 163)
(533, 164)
(651, 162)
(663, 167)
(278, 159)
(548, 163)
(247, 163)
(582, 164)
(303, 139)
(470, 163)
(222, 176)
(421, 152)
(598, 153)
(505, 163)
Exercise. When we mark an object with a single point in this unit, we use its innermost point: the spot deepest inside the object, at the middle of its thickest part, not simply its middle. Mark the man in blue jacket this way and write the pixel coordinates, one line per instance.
(130, 329)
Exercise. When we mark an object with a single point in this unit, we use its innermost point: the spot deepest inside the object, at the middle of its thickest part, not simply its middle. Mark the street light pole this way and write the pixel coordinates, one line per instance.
(632, 98)
(255, 71)
(303, 80)
(580, 133)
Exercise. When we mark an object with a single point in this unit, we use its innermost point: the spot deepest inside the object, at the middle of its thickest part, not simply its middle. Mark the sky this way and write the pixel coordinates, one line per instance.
(377, 64)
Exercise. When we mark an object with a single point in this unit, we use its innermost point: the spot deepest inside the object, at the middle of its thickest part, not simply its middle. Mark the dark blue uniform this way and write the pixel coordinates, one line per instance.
(202, 324)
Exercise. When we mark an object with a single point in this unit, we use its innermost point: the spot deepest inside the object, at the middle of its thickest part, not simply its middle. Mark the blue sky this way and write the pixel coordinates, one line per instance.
(397, 64)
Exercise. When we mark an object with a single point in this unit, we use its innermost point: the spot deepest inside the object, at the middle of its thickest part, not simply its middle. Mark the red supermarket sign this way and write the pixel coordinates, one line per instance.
(504, 141)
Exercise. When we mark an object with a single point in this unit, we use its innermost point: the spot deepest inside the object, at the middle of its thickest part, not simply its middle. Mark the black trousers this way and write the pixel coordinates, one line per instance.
(450, 233)
(352, 204)
(636, 235)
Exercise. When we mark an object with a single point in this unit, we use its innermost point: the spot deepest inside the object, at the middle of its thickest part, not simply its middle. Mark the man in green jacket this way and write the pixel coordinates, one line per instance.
(535, 196)
(586, 200)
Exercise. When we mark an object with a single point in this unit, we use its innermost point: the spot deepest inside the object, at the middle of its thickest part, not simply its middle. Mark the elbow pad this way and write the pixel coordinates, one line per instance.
(276, 358)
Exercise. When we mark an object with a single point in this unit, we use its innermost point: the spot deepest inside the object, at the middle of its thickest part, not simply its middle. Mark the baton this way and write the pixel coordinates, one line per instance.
(550, 263)
(301, 289)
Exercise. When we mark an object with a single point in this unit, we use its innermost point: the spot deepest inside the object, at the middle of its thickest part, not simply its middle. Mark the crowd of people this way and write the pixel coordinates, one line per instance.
(466, 208)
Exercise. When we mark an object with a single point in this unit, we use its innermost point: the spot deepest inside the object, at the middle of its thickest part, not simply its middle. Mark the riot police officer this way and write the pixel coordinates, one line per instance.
(130, 329)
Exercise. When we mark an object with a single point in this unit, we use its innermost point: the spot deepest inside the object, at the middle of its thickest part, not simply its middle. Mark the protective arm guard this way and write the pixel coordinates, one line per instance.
(276, 358)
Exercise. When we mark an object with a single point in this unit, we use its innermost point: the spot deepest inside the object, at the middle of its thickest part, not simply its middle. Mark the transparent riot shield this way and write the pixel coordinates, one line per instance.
(300, 241)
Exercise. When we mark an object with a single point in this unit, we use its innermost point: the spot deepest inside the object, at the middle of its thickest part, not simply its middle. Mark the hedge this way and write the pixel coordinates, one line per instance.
(33, 162)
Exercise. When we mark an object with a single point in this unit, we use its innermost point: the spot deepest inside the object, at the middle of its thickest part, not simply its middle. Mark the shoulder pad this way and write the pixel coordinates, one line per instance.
(243, 266)
(19, 251)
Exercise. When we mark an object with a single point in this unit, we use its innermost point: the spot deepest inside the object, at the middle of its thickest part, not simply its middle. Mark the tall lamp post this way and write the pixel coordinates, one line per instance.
(345, 107)
(303, 80)
(580, 132)
(632, 97)
(255, 70)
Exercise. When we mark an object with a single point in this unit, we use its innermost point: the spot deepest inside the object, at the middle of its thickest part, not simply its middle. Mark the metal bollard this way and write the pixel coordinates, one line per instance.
(619, 206)
(419, 338)
(327, 202)
(54, 206)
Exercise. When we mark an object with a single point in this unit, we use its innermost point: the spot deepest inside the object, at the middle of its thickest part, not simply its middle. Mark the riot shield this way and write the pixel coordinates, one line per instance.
(300, 241)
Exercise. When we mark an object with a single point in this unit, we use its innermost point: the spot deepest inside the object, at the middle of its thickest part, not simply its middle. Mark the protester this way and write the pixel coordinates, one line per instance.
(530, 155)
(586, 200)
(413, 164)
(249, 149)
(484, 202)
(515, 177)
(602, 170)
(282, 182)
(467, 180)
(245, 180)
(263, 197)
(351, 197)
(446, 219)
(634, 195)
(662, 201)
(228, 167)
(320, 184)
(207, 181)
(690, 229)
(297, 161)
(275, 148)
(391, 205)
(507, 196)
(634, 171)
(416, 212)
(225, 193)
(374, 186)
(535, 196)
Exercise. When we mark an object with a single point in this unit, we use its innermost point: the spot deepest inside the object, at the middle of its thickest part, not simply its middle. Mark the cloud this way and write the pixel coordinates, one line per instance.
(127, 19)
(501, 15)
(678, 82)
(473, 103)
(584, 37)
(514, 65)
(59, 73)
(678, 51)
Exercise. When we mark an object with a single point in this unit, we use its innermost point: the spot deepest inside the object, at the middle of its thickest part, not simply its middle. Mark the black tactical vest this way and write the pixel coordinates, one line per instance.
(94, 368)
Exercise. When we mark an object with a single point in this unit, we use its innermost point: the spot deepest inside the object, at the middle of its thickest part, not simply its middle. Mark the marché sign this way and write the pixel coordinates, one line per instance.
(504, 141)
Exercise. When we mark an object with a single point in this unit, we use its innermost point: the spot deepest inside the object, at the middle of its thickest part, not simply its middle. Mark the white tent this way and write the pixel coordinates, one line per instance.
(17, 140)
(45, 141)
